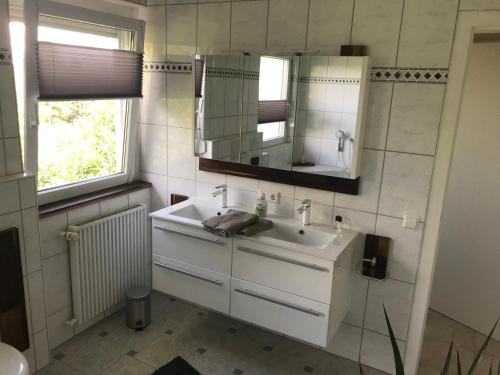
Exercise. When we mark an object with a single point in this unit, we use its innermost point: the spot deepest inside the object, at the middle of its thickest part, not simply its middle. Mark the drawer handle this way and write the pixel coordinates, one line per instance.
(278, 302)
(216, 242)
(184, 272)
(283, 259)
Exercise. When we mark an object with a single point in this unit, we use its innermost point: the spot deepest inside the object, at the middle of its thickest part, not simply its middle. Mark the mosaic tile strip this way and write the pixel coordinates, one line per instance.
(168, 67)
(5, 56)
(416, 75)
(231, 73)
(329, 80)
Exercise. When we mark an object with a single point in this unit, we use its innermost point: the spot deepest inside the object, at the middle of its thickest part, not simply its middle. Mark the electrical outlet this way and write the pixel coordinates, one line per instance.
(275, 197)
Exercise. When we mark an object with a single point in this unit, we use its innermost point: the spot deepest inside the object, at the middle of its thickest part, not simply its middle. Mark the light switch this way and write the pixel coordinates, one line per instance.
(410, 222)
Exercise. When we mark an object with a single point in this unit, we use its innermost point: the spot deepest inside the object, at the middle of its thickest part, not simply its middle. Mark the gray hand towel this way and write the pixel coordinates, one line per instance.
(230, 223)
(260, 226)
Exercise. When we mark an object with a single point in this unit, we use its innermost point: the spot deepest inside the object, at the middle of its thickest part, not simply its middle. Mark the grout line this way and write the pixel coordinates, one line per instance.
(267, 25)
(352, 21)
(400, 31)
(307, 22)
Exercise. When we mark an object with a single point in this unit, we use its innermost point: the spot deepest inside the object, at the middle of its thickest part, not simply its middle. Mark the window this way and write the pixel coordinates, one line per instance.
(273, 91)
(81, 145)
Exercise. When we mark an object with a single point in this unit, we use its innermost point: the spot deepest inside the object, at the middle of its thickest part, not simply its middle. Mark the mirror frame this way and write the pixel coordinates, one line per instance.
(282, 176)
(307, 180)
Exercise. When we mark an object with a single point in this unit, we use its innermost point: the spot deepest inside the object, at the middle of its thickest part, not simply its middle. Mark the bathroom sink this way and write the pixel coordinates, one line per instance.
(299, 235)
(197, 212)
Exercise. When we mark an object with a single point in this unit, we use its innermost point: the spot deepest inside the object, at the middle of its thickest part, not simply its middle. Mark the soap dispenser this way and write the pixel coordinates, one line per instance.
(261, 205)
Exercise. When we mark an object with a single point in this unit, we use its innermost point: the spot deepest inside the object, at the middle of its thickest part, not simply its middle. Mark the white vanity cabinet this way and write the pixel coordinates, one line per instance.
(192, 264)
(304, 293)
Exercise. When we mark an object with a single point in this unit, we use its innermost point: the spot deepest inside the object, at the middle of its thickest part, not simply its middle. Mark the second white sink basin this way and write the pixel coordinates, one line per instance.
(299, 235)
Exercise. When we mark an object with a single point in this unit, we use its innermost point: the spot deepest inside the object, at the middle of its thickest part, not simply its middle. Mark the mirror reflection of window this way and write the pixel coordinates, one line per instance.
(273, 87)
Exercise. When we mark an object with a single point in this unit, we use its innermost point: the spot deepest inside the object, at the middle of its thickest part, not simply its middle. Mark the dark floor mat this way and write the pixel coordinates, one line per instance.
(177, 366)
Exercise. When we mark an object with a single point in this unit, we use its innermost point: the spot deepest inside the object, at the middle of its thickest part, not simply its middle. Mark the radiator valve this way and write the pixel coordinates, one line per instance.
(71, 236)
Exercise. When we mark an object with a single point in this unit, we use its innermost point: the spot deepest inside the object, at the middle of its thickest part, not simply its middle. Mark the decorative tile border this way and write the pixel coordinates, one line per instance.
(5, 56)
(378, 74)
(329, 80)
(168, 67)
(416, 75)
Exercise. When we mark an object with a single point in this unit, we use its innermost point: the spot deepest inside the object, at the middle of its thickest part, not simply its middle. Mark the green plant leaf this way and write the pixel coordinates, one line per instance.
(397, 355)
(479, 355)
(446, 367)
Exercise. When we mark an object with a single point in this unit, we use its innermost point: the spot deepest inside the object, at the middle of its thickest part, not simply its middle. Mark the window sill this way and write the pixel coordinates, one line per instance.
(53, 208)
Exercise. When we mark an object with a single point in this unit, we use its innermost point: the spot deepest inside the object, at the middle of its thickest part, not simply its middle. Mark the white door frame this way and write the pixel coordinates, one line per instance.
(468, 24)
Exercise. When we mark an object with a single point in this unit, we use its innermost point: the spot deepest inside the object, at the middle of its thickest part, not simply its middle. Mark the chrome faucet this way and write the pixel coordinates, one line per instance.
(222, 191)
(305, 211)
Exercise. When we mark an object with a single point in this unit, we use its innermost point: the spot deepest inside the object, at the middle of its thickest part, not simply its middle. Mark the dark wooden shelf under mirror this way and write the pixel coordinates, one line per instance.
(308, 180)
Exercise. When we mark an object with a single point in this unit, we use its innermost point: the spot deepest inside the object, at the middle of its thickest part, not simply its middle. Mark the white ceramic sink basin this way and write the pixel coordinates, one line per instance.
(299, 235)
(197, 212)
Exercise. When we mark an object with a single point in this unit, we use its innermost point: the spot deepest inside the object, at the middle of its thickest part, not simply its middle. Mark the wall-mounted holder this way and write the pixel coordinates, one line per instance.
(374, 263)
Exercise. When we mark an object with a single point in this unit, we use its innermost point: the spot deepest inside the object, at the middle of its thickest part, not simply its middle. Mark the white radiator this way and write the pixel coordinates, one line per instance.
(108, 255)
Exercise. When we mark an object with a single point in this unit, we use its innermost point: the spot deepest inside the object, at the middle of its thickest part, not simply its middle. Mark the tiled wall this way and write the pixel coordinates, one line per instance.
(18, 202)
(401, 128)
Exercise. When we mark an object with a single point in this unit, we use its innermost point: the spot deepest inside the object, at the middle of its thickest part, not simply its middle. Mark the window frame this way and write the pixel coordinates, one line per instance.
(32, 10)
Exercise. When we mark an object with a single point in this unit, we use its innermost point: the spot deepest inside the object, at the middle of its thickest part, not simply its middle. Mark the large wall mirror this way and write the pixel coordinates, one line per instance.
(289, 119)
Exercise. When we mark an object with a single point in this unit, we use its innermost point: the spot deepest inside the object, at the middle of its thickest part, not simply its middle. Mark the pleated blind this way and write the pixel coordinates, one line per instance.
(198, 75)
(67, 72)
(272, 111)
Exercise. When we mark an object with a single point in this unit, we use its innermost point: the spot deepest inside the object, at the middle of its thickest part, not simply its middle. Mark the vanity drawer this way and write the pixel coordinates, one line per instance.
(190, 283)
(282, 269)
(282, 312)
(192, 245)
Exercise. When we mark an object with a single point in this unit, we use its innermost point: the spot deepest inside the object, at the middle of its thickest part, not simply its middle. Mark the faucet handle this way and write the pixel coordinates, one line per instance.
(223, 187)
(306, 202)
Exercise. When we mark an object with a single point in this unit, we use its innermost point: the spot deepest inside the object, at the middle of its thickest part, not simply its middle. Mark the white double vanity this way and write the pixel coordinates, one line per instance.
(292, 279)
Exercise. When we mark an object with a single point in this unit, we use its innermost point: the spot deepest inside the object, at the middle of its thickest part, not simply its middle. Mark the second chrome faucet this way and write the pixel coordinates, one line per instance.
(305, 210)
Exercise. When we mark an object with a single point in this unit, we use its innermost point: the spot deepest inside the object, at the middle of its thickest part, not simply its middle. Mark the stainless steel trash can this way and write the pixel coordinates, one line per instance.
(138, 307)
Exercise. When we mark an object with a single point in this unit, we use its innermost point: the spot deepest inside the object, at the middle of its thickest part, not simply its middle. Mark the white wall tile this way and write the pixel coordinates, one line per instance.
(155, 42)
(329, 25)
(181, 29)
(158, 190)
(397, 298)
(27, 305)
(29, 354)
(9, 192)
(358, 220)
(209, 178)
(154, 149)
(154, 103)
(377, 115)
(241, 198)
(318, 196)
(41, 346)
(213, 27)
(376, 351)
(140, 197)
(405, 185)
(58, 330)
(243, 183)
(113, 204)
(51, 234)
(27, 192)
(268, 188)
(249, 25)
(37, 301)
(376, 24)
(181, 160)
(371, 174)
(346, 342)
(181, 186)
(479, 4)
(83, 213)
(57, 282)
(8, 103)
(287, 25)
(404, 250)
(415, 118)
(31, 239)
(427, 33)
(3, 166)
(180, 100)
(12, 150)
